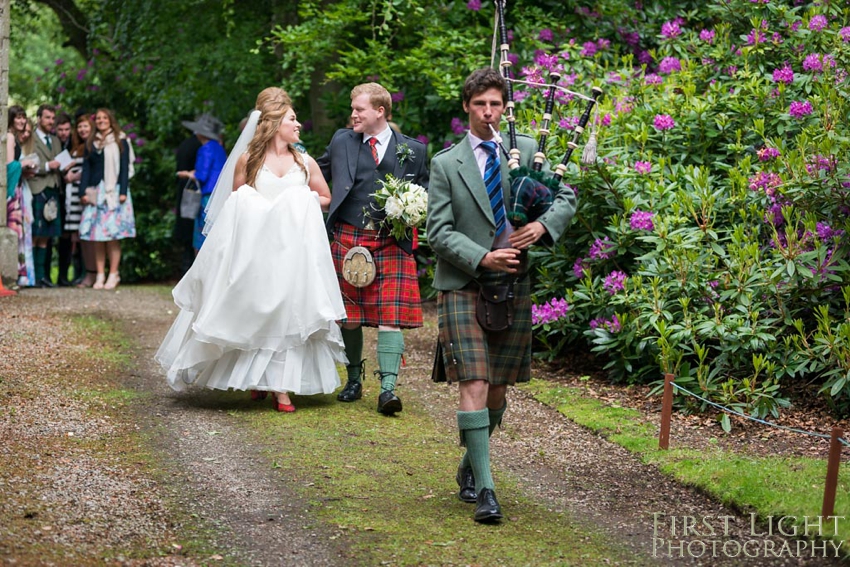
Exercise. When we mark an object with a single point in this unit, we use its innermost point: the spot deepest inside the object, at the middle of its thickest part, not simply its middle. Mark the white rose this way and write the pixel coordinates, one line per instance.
(394, 208)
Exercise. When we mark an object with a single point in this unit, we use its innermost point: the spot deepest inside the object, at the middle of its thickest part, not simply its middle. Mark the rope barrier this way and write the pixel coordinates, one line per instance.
(762, 421)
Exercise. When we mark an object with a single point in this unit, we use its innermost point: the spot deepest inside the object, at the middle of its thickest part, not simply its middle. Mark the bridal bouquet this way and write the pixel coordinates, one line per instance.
(404, 203)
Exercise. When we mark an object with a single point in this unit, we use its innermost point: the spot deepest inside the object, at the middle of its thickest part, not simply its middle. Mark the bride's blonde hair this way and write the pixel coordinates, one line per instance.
(273, 104)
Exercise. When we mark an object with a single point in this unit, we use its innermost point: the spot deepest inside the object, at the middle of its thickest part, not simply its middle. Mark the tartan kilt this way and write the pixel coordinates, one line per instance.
(41, 227)
(393, 298)
(471, 353)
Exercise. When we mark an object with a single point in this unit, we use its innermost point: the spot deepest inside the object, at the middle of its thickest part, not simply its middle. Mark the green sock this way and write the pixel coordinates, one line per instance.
(473, 427)
(38, 256)
(390, 349)
(495, 421)
(353, 339)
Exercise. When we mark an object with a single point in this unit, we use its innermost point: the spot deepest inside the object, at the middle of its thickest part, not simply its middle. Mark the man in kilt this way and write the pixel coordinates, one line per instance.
(476, 247)
(45, 186)
(353, 163)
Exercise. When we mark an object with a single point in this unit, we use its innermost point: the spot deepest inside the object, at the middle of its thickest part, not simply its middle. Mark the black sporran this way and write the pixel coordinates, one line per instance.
(494, 307)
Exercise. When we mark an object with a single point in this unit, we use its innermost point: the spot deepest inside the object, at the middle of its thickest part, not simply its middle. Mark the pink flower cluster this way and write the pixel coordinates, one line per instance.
(474, 5)
(845, 34)
(549, 312)
(642, 220)
(767, 153)
(707, 36)
(671, 29)
(669, 65)
(615, 281)
(458, 127)
(800, 109)
(643, 167)
(817, 23)
(652, 79)
(611, 325)
(601, 249)
(663, 122)
(820, 163)
(783, 75)
(765, 181)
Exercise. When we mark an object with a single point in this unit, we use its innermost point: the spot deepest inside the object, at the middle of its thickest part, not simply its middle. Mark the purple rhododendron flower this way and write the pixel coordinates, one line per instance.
(601, 249)
(670, 29)
(550, 311)
(474, 5)
(643, 167)
(458, 126)
(611, 325)
(545, 35)
(663, 122)
(652, 79)
(642, 220)
(845, 34)
(767, 153)
(800, 109)
(578, 268)
(568, 123)
(669, 65)
(765, 181)
(397, 97)
(615, 281)
(588, 49)
(812, 62)
(784, 75)
(817, 23)
(707, 36)
(603, 43)
(820, 163)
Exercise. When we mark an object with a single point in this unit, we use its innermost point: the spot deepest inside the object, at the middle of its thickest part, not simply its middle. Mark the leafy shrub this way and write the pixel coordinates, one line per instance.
(713, 227)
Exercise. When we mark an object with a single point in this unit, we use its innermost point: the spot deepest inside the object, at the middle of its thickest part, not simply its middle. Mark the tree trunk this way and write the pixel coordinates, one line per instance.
(75, 24)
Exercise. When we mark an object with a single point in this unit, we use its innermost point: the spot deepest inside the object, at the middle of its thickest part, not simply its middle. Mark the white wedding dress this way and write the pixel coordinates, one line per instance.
(258, 308)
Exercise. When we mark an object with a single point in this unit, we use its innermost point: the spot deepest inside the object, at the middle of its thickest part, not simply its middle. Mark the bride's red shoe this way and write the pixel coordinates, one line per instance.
(257, 395)
(280, 406)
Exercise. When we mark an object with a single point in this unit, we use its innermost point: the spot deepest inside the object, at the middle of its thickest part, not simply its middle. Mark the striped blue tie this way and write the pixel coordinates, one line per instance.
(493, 183)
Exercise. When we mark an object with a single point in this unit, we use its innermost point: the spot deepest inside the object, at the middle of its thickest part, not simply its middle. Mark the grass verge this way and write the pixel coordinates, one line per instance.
(767, 486)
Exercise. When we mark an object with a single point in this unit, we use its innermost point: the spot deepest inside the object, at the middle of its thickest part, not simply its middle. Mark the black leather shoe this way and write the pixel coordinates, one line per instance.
(44, 282)
(466, 481)
(64, 283)
(388, 403)
(487, 509)
(352, 391)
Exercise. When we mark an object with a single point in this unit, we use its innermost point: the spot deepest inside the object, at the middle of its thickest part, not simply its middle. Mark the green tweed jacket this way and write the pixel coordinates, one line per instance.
(460, 226)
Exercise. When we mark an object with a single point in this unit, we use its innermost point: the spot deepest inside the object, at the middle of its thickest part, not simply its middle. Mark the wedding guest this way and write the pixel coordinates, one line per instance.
(85, 267)
(209, 162)
(185, 156)
(108, 205)
(258, 307)
(64, 245)
(45, 187)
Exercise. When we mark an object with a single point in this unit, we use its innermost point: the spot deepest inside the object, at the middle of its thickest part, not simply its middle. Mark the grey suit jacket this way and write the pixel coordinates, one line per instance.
(461, 227)
(43, 178)
(339, 167)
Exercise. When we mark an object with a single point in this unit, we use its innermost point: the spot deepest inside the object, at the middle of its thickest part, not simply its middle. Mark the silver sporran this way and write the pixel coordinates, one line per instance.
(358, 267)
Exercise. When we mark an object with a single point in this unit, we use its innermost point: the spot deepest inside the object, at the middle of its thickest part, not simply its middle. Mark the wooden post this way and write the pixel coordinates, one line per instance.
(666, 412)
(829, 490)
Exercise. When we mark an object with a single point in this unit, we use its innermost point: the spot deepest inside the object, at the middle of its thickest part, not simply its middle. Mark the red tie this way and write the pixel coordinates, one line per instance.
(372, 142)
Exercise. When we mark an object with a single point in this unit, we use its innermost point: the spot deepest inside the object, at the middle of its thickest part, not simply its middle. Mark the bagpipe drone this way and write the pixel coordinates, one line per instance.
(532, 190)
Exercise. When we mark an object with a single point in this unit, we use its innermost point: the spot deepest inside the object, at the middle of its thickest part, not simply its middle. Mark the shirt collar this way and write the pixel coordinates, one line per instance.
(475, 141)
(383, 137)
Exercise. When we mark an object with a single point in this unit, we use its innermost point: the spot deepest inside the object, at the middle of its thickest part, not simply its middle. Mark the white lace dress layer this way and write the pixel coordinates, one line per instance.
(258, 308)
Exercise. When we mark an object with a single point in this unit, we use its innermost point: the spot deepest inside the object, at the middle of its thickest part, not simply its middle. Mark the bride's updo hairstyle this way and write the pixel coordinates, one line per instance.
(273, 104)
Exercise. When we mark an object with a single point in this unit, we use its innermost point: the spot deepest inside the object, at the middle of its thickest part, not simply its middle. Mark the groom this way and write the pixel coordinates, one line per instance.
(354, 161)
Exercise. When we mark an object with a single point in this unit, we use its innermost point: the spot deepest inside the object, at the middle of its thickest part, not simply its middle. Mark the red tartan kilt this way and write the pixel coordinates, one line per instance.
(393, 298)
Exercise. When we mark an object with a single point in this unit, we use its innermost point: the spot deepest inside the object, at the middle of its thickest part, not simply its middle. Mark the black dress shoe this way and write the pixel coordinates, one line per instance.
(487, 509)
(466, 481)
(388, 403)
(64, 283)
(352, 391)
(44, 282)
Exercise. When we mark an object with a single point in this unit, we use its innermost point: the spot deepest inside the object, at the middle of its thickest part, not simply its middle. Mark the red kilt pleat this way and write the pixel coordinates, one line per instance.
(393, 298)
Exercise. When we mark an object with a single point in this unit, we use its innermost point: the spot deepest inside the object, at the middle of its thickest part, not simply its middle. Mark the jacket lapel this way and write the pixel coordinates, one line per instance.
(353, 153)
(471, 176)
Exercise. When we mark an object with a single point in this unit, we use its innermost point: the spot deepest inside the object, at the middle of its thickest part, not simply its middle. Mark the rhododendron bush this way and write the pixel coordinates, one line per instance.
(711, 235)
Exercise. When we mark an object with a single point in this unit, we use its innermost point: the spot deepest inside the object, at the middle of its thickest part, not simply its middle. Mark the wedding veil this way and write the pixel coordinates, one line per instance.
(224, 185)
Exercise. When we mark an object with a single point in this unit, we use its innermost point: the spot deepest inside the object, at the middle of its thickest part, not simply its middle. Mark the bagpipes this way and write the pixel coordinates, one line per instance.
(533, 191)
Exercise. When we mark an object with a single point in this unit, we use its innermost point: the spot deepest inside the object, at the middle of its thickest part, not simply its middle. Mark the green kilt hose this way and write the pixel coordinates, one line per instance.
(470, 352)
(393, 298)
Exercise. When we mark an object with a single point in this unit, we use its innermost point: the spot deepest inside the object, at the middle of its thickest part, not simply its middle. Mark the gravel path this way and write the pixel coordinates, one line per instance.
(218, 474)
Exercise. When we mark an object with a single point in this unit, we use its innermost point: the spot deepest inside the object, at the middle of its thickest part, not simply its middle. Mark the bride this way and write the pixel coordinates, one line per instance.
(258, 308)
